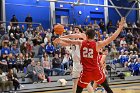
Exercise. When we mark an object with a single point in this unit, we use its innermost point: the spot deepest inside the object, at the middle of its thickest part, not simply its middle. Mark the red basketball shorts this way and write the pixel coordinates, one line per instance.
(86, 77)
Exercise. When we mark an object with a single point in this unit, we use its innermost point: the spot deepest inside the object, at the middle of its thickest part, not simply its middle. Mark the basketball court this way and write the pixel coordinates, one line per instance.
(122, 88)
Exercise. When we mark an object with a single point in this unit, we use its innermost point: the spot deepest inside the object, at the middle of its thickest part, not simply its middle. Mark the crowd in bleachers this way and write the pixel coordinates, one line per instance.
(21, 45)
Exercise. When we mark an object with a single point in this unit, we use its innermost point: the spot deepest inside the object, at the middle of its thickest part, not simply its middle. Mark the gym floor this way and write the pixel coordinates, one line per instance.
(123, 88)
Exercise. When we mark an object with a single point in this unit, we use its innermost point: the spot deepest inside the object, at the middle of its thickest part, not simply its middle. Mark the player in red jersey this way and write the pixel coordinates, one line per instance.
(102, 57)
(89, 49)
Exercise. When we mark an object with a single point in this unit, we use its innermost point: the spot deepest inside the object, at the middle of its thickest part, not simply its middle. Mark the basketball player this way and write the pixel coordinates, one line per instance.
(89, 58)
(102, 57)
(77, 67)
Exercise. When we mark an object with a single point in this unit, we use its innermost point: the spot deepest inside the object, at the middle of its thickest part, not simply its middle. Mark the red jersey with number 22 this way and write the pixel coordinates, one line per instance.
(89, 56)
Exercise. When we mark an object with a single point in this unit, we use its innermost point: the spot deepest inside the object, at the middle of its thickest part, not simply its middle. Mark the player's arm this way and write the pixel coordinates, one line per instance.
(81, 35)
(102, 62)
(101, 44)
(56, 41)
(74, 42)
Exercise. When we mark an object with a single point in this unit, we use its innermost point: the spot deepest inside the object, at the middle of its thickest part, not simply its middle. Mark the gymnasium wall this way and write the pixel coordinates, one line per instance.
(39, 11)
(74, 17)
(113, 15)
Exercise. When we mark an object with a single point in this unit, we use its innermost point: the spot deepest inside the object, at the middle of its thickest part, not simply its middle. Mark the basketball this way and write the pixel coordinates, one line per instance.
(59, 29)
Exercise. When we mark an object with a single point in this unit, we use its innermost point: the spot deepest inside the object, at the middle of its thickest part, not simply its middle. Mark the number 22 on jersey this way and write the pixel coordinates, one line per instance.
(87, 52)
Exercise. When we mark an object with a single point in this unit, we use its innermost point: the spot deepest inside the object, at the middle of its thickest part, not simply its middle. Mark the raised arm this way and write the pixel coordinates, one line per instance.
(101, 44)
(81, 35)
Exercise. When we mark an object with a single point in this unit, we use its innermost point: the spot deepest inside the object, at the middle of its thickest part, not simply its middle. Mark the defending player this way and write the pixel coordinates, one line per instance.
(102, 57)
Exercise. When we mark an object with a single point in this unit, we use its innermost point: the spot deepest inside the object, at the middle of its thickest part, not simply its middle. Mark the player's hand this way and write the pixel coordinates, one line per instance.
(57, 40)
(122, 22)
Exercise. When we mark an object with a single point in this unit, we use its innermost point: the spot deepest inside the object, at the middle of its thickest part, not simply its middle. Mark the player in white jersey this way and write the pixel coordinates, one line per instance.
(77, 67)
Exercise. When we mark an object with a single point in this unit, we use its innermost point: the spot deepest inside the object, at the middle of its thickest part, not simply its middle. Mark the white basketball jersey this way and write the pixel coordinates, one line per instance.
(76, 54)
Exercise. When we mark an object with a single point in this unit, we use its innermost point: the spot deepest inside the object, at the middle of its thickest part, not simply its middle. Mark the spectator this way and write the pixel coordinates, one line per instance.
(22, 29)
(63, 51)
(129, 37)
(14, 50)
(35, 49)
(27, 60)
(56, 65)
(20, 62)
(40, 72)
(122, 58)
(23, 48)
(114, 51)
(12, 30)
(102, 25)
(50, 50)
(9, 26)
(126, 58)
(65, 63)
(22, 39)
(46, 39)
(28, 19)
(136, 48)
(47, 65)
(2, 30)
(95, 25)
(41, 50)
(49, 34)
(5, 50)
(14, 19)
(40, 28)
(12, 38)
(17, 32)
(4, 82)
(31, 72)
(29, 45)
(3, 63)
(13, 77)
(11, 61)
(122, 42)
(30, 28)
(109, 27)
(105, 35)
(28, 34)
(123, 48)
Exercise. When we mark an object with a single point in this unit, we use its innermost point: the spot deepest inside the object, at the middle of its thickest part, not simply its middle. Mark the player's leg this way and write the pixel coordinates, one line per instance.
(90, 88)
(94, 85)
(83, 82)
(106, 86)
(79, 89)
(75, 82)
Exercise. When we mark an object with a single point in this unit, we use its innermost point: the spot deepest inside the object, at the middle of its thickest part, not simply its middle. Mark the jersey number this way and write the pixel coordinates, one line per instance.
(87, 52)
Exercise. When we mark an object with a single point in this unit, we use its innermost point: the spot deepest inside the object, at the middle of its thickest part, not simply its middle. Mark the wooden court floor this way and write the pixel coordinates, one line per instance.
(130, 88)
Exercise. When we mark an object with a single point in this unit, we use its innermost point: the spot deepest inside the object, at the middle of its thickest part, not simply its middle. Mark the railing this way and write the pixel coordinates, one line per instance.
(21, 22)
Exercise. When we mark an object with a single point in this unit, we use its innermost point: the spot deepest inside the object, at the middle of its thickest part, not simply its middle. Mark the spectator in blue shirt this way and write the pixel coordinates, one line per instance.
(50, 49)
(5, 50)
(14, 50)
